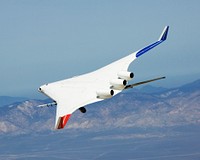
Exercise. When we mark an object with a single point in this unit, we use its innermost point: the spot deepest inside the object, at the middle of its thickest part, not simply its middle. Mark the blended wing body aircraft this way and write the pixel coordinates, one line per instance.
(76, 92)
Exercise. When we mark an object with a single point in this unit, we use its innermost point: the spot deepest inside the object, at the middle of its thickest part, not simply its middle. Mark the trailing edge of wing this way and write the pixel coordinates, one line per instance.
(161, 39)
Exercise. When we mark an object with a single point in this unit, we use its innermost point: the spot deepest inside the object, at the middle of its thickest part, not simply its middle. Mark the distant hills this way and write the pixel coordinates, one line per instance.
(135, 124)
(138, 109)
(152, 89)
(6, 100)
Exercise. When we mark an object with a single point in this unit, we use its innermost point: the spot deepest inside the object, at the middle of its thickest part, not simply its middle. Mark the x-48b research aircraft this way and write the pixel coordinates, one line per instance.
(74, 93)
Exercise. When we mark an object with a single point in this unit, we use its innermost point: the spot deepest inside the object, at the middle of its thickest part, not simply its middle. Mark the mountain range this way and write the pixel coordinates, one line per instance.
(138, 124)
(171, 107)
(6, 100)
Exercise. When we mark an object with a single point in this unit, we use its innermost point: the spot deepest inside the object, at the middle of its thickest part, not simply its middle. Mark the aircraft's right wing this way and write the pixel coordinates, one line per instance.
(112, 70)
(124, 63)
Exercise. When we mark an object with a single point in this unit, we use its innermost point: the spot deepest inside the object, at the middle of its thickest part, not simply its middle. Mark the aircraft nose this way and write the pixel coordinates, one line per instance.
(40, 89)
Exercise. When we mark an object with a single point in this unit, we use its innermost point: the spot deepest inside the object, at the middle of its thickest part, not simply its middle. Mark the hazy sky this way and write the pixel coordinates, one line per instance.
(46, 40)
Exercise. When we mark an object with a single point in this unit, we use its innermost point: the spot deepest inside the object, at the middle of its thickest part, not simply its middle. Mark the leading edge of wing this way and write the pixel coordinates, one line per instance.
(161, 39)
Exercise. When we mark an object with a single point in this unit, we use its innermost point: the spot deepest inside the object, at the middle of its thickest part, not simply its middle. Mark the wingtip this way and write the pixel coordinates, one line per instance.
(62, 121)
(164, 34)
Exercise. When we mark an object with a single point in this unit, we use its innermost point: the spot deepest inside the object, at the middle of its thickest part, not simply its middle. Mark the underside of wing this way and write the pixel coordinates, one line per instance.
(70, 95)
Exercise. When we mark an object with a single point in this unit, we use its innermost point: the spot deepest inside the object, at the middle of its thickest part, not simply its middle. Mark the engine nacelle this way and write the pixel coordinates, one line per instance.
(125, 75)
(118, 84)
(104, 94)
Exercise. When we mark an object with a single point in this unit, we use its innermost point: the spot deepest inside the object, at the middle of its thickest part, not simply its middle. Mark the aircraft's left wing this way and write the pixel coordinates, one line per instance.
(70, 95)
(74, 93)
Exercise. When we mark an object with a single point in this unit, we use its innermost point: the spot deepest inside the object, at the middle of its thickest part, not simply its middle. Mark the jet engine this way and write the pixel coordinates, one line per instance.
(104, 94)
(118, 84)
(125, 75)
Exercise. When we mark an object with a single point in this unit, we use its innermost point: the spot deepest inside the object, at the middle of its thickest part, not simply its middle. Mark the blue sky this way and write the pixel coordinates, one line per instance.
(45, 40)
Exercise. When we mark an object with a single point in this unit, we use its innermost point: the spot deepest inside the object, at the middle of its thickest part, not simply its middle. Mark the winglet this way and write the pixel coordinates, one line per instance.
(62, 121)
(163, 36)
(161, 39)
